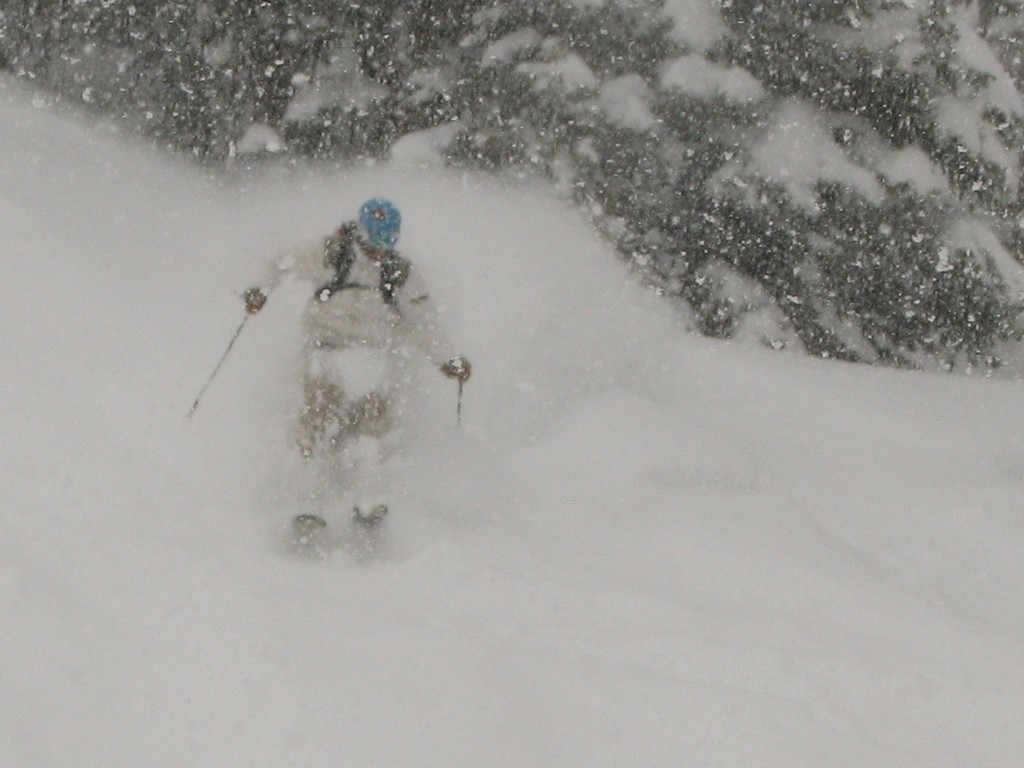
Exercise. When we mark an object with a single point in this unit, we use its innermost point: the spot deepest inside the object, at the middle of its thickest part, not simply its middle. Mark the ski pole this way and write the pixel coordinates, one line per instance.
(254, 301)
(458, 368)
(217, 369)
(458, 408)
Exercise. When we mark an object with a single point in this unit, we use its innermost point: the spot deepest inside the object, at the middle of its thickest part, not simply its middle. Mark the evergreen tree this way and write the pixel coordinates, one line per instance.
(909, 219)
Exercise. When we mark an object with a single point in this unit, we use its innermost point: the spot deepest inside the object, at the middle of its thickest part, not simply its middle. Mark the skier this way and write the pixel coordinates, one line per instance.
(360, 327)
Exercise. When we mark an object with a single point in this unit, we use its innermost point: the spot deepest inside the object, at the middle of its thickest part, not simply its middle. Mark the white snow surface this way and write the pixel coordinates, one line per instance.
(641, 548)
(693, 74)
(625, 100)
(696, 23)
(797, 150)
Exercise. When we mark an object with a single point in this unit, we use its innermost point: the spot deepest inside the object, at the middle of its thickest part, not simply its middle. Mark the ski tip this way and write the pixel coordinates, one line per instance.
(372, 518)
(309, 537)
(309, 522)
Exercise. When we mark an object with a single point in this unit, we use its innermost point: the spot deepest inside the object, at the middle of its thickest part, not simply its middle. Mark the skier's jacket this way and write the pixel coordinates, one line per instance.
(369, 298)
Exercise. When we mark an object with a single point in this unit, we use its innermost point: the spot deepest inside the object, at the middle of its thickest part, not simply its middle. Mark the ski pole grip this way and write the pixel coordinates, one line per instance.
(254, 298)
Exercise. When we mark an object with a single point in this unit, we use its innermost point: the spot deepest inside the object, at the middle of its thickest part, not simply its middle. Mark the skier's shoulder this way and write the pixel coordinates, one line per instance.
(399, 266)
(344, 235)
(405, 272)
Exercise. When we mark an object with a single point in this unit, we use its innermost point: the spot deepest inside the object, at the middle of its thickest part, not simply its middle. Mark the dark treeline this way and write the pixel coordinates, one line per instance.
(841, 175)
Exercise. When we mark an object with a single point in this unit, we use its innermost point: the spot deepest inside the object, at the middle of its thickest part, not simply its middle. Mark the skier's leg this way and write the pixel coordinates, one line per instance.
(325, 405)
(350, 411)
(369, 421)
(369, 414)
(364, 461)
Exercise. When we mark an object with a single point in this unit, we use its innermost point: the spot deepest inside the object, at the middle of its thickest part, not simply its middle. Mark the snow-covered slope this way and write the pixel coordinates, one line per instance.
(641, 548)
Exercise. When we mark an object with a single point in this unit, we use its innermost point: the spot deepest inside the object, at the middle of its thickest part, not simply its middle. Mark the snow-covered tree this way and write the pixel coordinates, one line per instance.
(892, 148)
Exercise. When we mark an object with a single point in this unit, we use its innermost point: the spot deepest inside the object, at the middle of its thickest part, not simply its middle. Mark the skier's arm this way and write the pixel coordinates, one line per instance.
(419, 314)
(338, 257)
(305, 263)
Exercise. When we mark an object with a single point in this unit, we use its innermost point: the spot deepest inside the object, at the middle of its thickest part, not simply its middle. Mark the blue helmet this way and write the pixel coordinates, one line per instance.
(382, 222)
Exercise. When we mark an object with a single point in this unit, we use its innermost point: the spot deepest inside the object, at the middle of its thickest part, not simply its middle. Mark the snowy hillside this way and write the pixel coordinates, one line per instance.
(641, 548)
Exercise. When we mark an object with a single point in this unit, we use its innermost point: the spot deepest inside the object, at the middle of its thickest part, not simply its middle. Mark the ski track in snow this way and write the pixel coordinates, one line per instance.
(642, 548)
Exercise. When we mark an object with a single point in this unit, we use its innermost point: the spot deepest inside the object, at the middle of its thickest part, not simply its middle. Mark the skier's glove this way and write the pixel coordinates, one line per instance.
(457, 368)
(254, 299)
